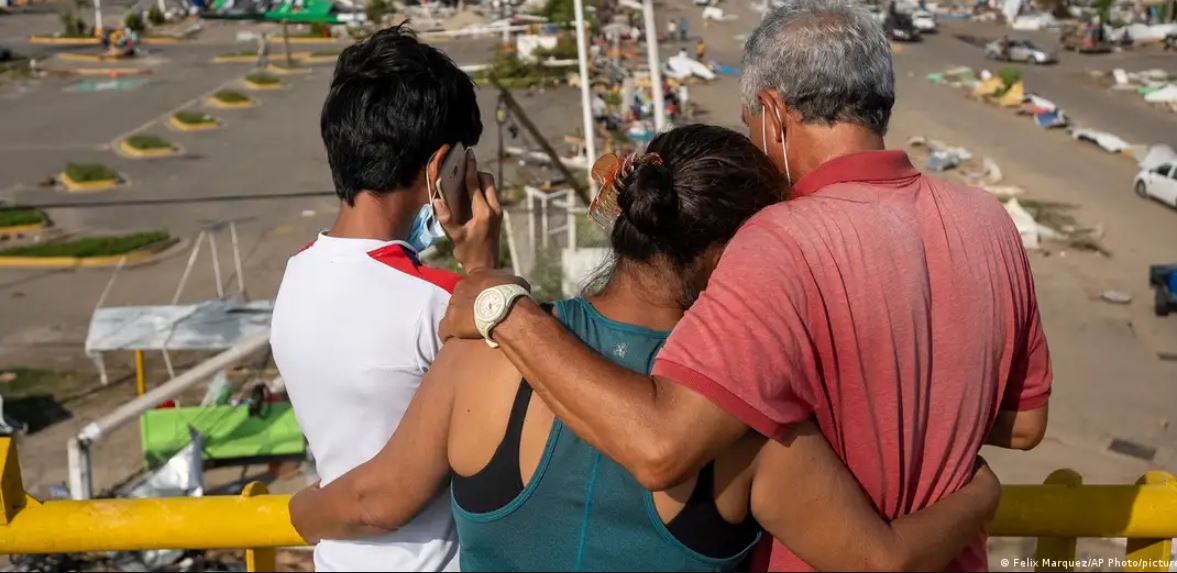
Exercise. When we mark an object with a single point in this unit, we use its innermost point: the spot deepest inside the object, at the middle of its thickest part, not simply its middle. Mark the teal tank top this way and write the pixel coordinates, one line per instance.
(581, 511)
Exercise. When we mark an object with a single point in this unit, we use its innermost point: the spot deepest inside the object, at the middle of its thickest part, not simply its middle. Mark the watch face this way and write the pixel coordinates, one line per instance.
(489, 305)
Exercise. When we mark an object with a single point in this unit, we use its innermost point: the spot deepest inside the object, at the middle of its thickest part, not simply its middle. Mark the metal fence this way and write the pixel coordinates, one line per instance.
(1057, 513)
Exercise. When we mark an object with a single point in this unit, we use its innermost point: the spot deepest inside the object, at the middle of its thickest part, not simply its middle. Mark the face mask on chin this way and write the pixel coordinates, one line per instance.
(426, 229)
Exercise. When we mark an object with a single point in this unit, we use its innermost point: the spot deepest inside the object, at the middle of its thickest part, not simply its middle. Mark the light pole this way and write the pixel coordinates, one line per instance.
(98, 17)
(590, 147)
(655, 64)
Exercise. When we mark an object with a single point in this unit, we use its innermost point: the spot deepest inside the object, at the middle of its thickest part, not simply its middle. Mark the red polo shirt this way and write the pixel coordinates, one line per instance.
(895, 309)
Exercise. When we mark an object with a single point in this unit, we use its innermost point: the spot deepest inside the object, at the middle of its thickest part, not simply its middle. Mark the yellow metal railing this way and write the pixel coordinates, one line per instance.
(1057, 513)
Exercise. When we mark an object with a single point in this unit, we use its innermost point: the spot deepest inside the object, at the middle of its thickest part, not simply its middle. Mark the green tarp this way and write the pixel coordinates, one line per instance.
(310, 11)
(230, 432)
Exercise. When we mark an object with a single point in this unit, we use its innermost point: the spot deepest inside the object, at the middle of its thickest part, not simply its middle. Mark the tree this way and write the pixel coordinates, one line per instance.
(1104, 8)
(135, 22)
(156, 16)
(561, 12)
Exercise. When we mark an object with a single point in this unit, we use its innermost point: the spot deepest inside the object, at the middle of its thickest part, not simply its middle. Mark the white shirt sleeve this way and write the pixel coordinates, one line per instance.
(428, 326)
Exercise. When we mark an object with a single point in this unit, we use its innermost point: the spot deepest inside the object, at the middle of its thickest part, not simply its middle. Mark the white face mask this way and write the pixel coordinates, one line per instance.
(784, 140)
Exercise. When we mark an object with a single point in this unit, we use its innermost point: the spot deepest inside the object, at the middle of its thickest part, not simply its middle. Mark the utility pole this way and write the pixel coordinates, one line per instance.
(521, 116)
(97, 18)
(590, 147)
(655, 65)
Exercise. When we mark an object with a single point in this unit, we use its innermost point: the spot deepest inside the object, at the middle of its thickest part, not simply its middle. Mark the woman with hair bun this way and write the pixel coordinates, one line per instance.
(528, 494)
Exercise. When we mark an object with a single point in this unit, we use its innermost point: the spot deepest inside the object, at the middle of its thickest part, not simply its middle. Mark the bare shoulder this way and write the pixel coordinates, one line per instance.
(485, 384)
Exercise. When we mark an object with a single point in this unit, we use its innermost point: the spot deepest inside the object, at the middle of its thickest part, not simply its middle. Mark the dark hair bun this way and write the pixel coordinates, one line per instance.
(650, 202)
(712, 180)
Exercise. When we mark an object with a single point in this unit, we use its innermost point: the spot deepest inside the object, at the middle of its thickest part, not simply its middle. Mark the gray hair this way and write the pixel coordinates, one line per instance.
(829, 60)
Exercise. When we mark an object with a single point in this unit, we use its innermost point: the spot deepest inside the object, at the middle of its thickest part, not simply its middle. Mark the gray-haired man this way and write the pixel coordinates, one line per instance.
(895, 310)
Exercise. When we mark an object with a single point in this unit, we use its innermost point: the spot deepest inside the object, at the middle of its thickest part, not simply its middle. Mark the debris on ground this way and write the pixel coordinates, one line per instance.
(1143, 33)
(1050, 119)
(1157, 155)
(942, 160)
(717, 14)
(1162, 95)
(1109, 142)
(1156, 86)
(1014, 96)
(681, 66)
(941, 156)
(1114, 296)
(1032, 231)
(958, 77)
(1046, 114)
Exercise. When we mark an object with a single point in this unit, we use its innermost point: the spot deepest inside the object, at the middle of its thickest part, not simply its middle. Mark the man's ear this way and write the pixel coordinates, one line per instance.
(776, 110)
(433, 168)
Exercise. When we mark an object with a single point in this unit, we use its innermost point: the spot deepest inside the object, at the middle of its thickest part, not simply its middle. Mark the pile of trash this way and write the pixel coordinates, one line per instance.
(1036, 221)
(989, 88)
(993, 89)
(962, 77)
(1143, 33)
(1156, 86)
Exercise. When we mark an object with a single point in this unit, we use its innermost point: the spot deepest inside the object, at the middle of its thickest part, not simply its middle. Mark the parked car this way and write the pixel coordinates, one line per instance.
(924, 21)
(901, 29)
(5, 54)
(1158, 182)
(1164, 279)
(1019, 51)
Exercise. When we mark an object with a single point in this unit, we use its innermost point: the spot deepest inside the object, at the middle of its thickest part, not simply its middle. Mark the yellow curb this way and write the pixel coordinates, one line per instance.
(101, 261)
(105, 71)
(309, 40)
(253, 86)
(286, 71)
(146, 153)
(35, 39)
(86, 186)
(158, 40)
(205, 126)
(85, 57)
(22, 229)
(319, 59)
(234, 59)
(231, 105)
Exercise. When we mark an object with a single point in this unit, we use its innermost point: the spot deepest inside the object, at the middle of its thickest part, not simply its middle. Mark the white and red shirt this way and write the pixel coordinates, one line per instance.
(354, 331)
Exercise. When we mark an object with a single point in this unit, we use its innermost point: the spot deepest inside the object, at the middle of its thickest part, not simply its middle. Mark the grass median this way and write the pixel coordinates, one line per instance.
(83, 247)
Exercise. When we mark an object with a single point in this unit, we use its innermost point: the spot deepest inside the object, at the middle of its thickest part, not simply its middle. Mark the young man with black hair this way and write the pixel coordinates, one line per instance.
(356, 317)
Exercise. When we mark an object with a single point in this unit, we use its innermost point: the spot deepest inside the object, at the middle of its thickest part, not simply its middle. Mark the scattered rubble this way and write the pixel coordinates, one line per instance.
(1115, 296)
(1156, 86)
(1032, 231)
(1109, 142)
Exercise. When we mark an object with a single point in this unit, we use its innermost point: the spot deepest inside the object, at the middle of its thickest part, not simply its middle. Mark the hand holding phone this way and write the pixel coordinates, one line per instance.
(451, 183)
(476, 238)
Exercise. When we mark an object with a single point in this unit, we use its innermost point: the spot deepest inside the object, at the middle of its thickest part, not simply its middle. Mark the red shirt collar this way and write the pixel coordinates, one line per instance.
(861, 167)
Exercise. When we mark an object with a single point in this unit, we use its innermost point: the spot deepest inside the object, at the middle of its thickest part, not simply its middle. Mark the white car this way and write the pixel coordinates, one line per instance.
(924, 21)
(1159, 182)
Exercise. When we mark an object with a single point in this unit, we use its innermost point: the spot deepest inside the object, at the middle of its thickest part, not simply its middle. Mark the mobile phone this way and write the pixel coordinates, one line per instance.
(451, 183)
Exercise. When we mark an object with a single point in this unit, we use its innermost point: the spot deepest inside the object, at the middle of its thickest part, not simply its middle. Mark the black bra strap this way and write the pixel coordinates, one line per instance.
(497, 484)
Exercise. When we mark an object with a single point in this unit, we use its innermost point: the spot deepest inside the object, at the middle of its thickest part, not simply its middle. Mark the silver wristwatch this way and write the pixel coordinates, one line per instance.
(492, 306)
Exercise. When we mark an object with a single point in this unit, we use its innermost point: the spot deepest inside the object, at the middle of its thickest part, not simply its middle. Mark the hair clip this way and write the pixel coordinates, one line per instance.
(604, 209)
